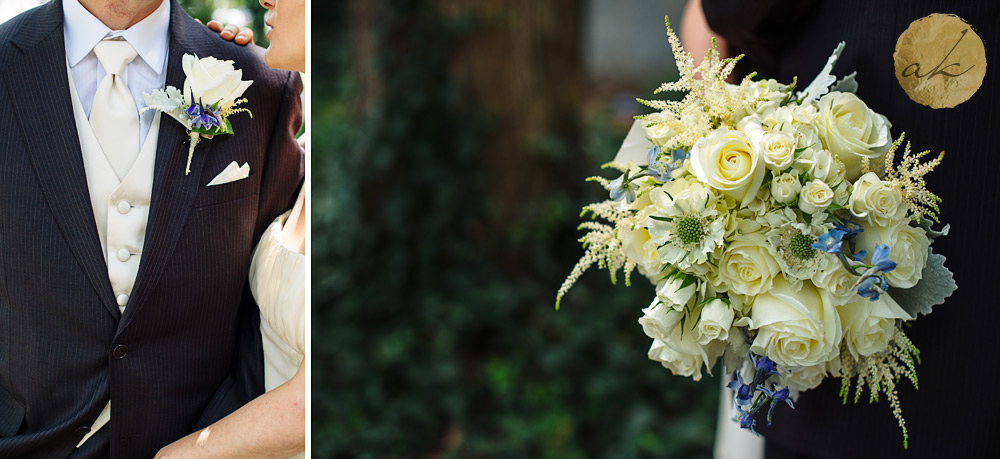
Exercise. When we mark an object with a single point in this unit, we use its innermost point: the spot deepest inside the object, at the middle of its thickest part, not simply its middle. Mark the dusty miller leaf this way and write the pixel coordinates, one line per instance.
(936, 284)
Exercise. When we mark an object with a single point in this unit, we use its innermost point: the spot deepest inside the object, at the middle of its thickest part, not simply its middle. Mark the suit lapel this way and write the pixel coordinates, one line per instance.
(39, 88)
(173, 192)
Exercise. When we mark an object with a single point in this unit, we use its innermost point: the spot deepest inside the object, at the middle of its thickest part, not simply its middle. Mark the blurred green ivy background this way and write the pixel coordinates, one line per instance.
(451, 140)
(243, 13)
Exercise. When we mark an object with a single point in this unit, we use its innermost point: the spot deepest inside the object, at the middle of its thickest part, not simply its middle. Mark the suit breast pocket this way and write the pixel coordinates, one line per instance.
(226, 192)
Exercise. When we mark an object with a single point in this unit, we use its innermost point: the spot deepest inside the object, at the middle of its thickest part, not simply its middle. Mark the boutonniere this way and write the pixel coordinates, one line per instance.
(211, 95)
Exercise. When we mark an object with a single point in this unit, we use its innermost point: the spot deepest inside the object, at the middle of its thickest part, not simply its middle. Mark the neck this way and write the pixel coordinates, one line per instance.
(121, 14)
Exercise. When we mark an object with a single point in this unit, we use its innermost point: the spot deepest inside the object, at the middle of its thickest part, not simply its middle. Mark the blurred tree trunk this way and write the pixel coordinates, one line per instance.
(523, 64)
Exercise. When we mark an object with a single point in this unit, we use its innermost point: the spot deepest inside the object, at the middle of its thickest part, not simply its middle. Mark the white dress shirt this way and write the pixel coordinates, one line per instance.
(121, 207)
(148, 72)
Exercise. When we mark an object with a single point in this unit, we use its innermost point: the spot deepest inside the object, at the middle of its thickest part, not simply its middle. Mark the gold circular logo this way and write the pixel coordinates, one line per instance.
(940, 61)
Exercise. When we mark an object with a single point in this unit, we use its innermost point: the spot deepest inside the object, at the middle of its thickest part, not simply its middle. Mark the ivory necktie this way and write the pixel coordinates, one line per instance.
(113, 116)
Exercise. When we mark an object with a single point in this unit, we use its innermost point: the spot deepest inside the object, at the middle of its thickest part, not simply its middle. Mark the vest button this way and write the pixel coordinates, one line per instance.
(119, 352)
(123, 255)
(124, 207)
(122, 299)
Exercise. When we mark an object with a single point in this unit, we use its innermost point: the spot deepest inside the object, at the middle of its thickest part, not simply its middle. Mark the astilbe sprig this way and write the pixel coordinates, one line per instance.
(708, 99)
(881, 372)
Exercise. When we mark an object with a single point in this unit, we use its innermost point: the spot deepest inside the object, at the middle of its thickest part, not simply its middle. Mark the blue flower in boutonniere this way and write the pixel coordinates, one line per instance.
(211, 95)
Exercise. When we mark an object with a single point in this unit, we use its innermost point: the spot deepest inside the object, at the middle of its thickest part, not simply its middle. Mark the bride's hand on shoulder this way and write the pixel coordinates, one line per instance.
(231, 32)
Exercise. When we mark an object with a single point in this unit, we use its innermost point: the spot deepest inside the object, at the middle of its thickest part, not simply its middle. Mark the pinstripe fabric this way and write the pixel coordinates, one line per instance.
(954, 412)
(191, 325)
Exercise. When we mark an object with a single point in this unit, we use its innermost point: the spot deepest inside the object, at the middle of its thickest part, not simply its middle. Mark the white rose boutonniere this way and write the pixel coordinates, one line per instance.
(211, 93)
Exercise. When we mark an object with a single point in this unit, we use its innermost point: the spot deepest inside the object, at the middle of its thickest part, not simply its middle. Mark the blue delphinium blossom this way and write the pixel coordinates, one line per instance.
(830, 242)
(850, 229)
(747, 422)
(203, 116)
(860, 256)
(880, 259)
(659, 170)
(873, 287)
(765, 367)
(619, 190)
(678, 155)
(742, 390)
(777, 397)
(748, 399)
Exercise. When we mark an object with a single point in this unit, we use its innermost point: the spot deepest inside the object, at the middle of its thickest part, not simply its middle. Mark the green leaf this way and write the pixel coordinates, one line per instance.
(662, 219)
(936, 284)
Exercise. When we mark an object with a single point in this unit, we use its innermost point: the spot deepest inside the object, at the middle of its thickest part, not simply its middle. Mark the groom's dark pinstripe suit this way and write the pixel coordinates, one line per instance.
(187, 349)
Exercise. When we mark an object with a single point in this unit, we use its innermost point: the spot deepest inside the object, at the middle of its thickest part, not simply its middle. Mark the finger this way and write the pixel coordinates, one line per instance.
(229, 32)
(215, 25)
(245, 36)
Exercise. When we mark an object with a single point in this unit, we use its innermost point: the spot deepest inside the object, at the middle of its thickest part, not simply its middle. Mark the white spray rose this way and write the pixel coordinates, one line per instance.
(796, 329)
(837, 282)
(212, 81)
(785, 188)
(850, 130)
(747, 266)
(682, 355)
(869, 325)
(659, 320)
(716, 319)
(820, 164)
(731, 162)
(816, 196)
(908, 247)
(660, 133)
(673, 292)
(778, 150)
(876, 200)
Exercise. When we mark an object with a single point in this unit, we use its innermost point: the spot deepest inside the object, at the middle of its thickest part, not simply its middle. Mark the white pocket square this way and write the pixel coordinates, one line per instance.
(231, 173)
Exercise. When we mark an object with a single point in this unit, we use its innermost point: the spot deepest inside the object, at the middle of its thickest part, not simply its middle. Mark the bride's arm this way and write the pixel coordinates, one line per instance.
(272, 425)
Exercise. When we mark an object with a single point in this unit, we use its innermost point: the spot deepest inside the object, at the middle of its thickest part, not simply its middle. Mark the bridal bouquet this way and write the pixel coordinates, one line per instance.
(785, 232)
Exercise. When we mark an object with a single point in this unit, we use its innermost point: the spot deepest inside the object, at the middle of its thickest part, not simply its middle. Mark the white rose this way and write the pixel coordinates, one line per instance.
(876, 200)
(778, 150)
(672, 291)
(659, 320)
(747, 266)
(842, 193)
(730, 161)
(805, 378)
(907, 247)
(816, 196)
(640, 248)
(716, 318)
(683, 356)
(212, 81)
(850, 130)
(869, 325)
(821, 165)
(795, 329)
(660, 133)
(837, 282)
(785, 188)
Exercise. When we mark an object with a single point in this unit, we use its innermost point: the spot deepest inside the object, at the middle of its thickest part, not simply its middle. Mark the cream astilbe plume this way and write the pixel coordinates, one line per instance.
(709, 103)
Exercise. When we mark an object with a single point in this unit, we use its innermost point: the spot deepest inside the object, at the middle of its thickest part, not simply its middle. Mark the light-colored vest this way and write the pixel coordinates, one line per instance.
(121, 209)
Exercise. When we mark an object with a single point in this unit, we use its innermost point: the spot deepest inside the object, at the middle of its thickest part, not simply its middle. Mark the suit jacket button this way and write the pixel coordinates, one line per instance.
(119, 352)
(82, 430)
